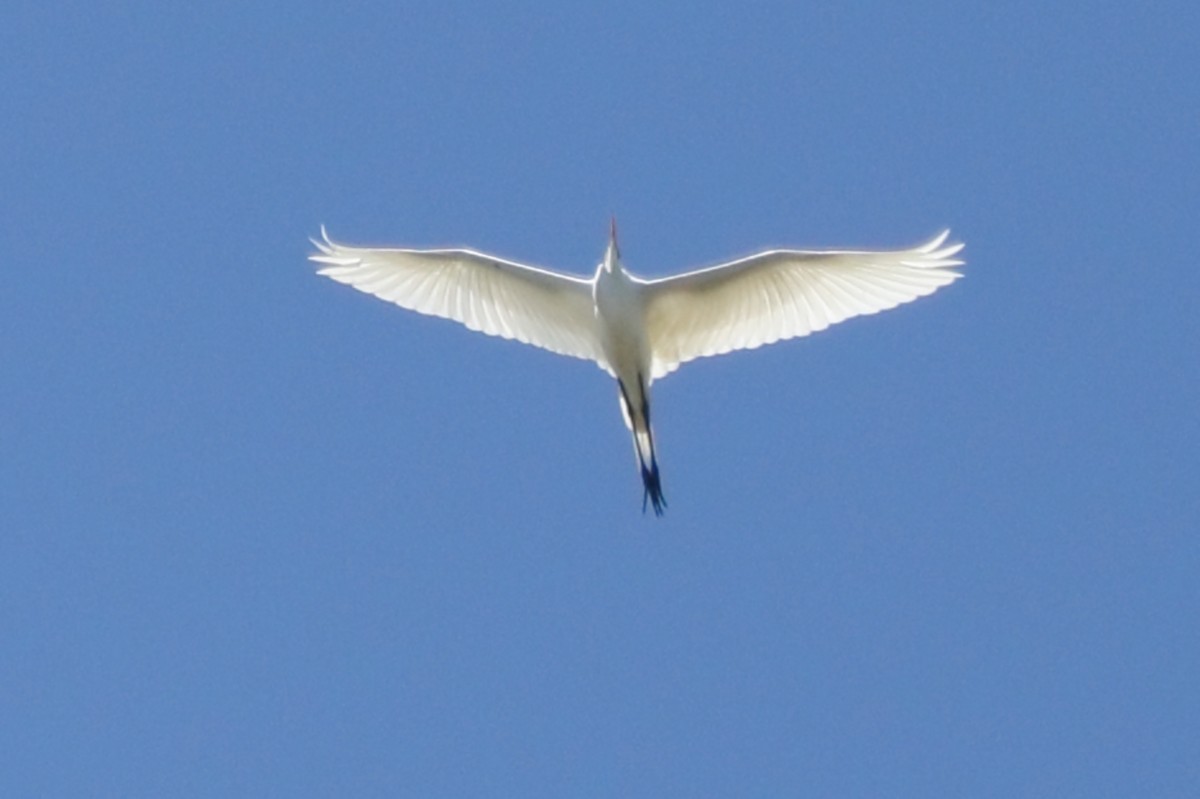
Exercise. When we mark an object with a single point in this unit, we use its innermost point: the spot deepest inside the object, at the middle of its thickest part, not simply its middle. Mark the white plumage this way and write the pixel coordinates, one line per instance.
(636, 329)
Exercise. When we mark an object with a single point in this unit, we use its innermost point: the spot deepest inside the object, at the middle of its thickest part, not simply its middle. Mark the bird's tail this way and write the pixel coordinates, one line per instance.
(636, 408)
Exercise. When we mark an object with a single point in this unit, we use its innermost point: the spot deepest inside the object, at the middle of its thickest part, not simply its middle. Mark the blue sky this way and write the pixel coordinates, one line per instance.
(261, 535)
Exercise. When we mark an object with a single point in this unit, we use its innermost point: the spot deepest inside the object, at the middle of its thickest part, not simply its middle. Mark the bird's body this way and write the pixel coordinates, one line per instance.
(639, 330)
(620, 311)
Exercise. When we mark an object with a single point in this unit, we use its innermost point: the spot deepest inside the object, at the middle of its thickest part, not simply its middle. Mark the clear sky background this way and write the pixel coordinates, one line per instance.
(262, 535)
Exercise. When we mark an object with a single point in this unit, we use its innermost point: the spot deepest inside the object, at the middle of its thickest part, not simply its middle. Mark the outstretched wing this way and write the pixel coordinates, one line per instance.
(488, 294)
(782, 294)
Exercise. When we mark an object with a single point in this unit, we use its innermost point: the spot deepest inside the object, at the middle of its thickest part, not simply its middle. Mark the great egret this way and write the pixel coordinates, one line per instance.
(639, 330)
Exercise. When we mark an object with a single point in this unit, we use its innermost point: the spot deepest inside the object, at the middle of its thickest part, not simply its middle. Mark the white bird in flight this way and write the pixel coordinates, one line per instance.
(639, 330)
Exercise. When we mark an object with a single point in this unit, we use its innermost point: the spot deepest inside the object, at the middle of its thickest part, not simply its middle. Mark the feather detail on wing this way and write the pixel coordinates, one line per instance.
(782, 294)
(494, 296)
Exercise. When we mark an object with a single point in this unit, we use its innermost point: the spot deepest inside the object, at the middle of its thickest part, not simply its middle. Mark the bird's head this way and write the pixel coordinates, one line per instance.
(612, 255)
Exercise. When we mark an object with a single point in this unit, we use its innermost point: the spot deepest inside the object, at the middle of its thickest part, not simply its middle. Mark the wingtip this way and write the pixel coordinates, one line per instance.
(324, 245)
(937, 253)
